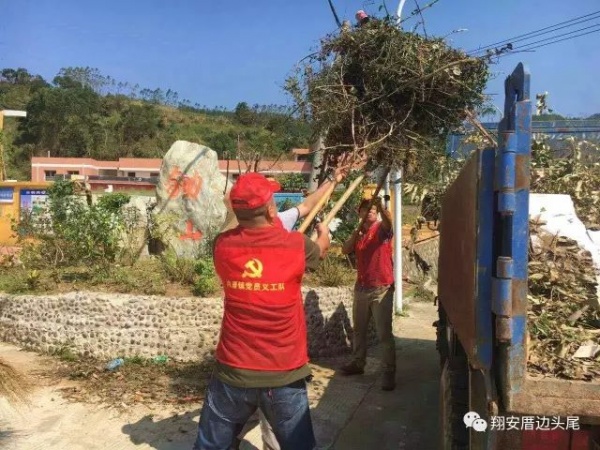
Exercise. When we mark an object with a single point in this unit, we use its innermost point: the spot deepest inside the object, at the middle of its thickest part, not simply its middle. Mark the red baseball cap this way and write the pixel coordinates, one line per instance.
(252, 190)
(360, 14)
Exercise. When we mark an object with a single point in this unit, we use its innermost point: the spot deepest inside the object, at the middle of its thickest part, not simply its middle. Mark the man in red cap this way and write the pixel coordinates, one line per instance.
(374, 289)
(362, 17)
(262, 357)
(287, 219)
(291, 216)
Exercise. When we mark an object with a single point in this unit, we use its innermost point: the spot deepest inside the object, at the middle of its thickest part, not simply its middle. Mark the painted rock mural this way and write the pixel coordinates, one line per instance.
(190, 207)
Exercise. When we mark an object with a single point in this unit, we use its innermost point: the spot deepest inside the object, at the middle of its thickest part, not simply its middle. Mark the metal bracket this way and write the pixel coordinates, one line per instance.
(502, 298)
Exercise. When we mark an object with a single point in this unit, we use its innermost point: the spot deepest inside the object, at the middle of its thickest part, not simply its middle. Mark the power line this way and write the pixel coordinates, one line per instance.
(527, 44)
(512, 41)
(535, 32)
(525, 47)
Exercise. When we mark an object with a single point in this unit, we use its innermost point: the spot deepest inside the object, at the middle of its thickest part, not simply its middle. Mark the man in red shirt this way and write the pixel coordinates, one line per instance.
(262, 357)
(374, 290)
(288, 220)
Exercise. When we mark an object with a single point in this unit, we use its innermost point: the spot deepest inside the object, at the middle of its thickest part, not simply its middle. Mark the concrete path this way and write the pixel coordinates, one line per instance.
(348, 412)
(406, 418)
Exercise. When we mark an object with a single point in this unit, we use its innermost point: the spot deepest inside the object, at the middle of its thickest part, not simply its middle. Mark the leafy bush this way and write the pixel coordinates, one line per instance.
(287, 204)
(334, 271)
(206, 283)
(198, 272)
(292, 182)
(571, 174)
(113, 202)
(181, 270)
(70, 232)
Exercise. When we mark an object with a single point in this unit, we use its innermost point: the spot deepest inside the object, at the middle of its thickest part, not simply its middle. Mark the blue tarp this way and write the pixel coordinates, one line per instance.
(294, 198)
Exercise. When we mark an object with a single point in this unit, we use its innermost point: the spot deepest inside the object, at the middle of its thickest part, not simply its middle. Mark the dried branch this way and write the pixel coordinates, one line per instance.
(374, 88)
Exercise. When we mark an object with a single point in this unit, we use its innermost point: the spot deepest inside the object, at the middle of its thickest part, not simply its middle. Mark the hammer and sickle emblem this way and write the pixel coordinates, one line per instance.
(254, 269)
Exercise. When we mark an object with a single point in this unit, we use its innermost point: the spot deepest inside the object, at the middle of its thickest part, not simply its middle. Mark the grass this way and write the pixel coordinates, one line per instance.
(334, 271)
(164, 276)
(65, 353)
(410, 214)
(146, 277)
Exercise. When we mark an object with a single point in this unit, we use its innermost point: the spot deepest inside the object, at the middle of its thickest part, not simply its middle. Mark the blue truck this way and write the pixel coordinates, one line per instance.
(488, 400)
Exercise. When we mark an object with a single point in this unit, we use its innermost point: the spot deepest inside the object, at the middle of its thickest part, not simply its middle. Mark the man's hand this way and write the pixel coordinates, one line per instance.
(340, 173)
(346, 164)
(322, 238)
(386, 215)
(321, 229)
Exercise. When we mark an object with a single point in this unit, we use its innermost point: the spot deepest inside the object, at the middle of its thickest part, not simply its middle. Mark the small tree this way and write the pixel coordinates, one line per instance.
(68, 232)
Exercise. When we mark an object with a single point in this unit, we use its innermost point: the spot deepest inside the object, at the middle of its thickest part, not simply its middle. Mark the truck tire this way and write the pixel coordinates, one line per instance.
(454, 389)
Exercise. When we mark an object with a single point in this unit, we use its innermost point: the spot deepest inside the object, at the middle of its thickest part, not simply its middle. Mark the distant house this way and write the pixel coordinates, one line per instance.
(142, 173)
(301, 154)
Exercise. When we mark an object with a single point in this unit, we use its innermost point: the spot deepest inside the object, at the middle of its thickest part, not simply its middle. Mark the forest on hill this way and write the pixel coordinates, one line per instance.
(83, 113)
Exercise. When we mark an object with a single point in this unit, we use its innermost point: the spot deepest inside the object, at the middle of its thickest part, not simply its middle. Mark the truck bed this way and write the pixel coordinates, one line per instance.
(555, 397)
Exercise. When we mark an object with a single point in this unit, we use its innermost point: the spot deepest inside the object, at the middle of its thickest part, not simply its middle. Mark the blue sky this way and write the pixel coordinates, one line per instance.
(223, 52)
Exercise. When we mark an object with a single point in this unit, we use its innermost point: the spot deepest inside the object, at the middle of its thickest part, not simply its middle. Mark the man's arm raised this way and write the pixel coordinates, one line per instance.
(309, 202)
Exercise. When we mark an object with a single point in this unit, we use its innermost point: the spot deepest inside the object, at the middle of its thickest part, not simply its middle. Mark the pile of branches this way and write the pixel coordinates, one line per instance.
(385, 93)
(575, 172)
(562, 314)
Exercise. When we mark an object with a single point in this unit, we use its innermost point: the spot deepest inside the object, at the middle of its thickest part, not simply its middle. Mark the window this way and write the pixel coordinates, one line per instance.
(49, 174)
(154, 174)
(131, 174)
(73, 172)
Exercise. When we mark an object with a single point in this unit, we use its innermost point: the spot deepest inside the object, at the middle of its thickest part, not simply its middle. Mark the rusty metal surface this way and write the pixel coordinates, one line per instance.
(503, 329)
(522, 168)
(458, 252)
(553, 397)
(519, 291)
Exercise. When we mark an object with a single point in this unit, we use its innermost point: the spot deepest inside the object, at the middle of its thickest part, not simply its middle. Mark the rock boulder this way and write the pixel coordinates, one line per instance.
(190, 207)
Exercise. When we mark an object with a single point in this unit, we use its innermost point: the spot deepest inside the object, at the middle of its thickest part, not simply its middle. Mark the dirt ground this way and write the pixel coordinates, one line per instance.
(78, 405)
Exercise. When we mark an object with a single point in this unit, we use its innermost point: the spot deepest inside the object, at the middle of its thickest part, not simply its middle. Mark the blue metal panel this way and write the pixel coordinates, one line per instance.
(506, 176)
(511, 232)
(502, 296)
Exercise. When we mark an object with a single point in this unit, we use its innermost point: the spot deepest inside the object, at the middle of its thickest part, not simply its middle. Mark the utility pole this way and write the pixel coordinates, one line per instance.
(396, 179)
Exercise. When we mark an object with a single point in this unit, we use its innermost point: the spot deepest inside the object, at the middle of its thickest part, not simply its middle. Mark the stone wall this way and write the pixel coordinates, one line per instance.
(423, 260)
(186, 329)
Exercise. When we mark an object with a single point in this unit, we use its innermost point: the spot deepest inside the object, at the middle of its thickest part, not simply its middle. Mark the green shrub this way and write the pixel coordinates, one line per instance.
(113, 202)
(292, 182)
(206, 283)
(14, 281)
(180, 270)
(68, 232)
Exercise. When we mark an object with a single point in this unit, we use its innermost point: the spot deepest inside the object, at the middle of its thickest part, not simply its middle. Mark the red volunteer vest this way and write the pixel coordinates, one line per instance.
(374, 258)
(264, 326)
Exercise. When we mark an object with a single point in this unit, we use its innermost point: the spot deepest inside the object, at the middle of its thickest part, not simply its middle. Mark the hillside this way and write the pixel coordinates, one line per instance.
(84, 113)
